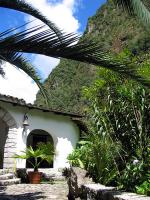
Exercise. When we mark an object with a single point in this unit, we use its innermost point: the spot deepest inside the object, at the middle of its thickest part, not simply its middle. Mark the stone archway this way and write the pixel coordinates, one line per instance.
(33, 139)
(8, 133)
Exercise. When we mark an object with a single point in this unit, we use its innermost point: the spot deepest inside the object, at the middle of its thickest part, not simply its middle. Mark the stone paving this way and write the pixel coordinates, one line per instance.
(56, 191)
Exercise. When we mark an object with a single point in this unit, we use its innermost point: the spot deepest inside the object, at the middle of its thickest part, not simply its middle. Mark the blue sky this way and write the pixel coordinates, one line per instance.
(85, 9)
(88, 8)
(69, 15)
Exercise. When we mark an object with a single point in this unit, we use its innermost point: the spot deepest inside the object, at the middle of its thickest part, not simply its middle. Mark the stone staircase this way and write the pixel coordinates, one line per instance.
(8, 178)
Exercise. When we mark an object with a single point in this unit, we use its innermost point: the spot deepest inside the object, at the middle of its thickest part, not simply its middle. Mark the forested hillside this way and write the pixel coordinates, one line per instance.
(114, 31)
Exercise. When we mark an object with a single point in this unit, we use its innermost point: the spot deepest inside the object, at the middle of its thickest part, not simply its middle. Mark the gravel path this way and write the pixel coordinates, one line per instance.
(56, 191)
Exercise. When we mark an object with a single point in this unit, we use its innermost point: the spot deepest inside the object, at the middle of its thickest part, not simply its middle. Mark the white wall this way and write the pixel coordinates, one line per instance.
(64, 132)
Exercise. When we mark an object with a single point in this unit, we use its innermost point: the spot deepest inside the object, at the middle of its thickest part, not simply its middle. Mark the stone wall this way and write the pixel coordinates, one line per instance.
(101, 192)
(81, 186)
(10, 149)
(8, 138)
(76, 177)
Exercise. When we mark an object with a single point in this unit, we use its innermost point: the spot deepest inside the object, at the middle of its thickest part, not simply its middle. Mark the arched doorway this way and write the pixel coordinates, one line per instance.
(35, 137)
(8, 135)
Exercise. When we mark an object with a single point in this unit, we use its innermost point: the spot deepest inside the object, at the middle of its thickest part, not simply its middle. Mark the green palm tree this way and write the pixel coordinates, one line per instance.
(18, 60)
(57, 44)
(48, 43)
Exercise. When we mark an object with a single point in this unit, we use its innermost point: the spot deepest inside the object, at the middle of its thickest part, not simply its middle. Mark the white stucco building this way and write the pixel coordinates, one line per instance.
(44, 125)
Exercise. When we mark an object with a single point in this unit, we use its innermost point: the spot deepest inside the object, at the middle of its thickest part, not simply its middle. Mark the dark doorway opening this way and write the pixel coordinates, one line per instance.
(35, 137)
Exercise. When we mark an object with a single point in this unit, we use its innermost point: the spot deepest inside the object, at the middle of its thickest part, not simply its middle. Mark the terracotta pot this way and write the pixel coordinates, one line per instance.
(34, 177)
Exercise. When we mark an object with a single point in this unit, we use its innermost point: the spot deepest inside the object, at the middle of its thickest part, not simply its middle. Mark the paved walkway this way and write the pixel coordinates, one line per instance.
(56, 191)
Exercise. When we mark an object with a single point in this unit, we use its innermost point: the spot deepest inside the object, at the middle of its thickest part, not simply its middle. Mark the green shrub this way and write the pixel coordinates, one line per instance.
(97, 155)
(144, 188)
(132, 176)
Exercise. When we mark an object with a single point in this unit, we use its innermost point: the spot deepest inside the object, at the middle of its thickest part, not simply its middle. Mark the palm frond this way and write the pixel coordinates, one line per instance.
(20, 62)
(47, 151)
(21, 5)
(137, 8)
(22, 156)
(47, 43)
(44, 152)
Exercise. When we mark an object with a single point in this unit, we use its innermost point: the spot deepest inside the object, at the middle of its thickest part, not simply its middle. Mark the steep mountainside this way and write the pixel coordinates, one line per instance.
(114, 31)
(65, 85)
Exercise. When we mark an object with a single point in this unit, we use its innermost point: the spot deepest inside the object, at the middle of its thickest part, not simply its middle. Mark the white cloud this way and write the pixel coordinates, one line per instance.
(45, 64)
(60, 12)
(16, 83)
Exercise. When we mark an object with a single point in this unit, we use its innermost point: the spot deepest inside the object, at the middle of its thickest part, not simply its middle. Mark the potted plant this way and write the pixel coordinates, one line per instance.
(41, 153)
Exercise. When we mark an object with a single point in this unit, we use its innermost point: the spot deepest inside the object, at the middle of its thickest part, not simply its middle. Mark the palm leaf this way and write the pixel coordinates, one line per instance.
(47, 43)
(136, 7)
(47, 151)
(21, 5)
(22, 63)
(44, 151)
(22, 156)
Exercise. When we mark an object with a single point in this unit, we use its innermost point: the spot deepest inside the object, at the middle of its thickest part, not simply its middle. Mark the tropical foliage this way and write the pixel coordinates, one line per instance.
(42, 152)
(97, 154)
(116, 150)
(13, 57)
(65, 82)
(120, 110)
(48, 42)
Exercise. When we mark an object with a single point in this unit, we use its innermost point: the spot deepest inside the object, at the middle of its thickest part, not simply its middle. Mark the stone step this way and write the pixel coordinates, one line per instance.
(6, 176)
(10, 182)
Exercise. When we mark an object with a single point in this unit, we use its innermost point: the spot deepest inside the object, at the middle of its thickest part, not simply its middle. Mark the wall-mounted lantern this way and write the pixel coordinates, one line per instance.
(25, 120)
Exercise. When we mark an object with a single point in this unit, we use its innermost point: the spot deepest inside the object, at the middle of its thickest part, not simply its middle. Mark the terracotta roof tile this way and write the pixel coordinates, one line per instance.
(22, 102)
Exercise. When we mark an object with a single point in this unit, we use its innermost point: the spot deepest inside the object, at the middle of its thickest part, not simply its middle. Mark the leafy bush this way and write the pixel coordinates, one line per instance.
(132, 176)
(98, 155)
(119, 131)
(144, 188)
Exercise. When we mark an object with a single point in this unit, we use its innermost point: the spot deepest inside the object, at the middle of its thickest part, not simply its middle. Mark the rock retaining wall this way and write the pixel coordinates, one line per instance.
(76, 177)
(81, 186)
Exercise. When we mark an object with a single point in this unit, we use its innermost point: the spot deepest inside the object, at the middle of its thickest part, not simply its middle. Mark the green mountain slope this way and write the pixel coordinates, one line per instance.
(114, 31)
(65, 85)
